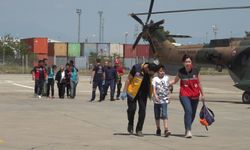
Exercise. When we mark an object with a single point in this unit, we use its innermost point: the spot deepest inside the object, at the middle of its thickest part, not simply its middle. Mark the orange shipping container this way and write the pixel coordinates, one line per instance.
(57, 49)
(39, 57)
(37, 45)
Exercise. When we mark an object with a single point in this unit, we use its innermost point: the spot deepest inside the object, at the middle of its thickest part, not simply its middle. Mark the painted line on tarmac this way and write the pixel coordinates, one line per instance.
(20, 85)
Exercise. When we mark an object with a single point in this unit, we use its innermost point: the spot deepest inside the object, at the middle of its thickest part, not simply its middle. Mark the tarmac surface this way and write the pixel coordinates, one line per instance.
(28, 123)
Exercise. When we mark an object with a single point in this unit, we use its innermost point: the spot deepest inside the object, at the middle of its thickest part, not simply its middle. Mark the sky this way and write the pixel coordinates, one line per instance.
(58, 20)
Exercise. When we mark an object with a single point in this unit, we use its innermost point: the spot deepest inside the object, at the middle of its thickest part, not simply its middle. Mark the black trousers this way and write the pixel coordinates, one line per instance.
(61, 89)
(119, 86)
(50, 84)
(132, 104)
(39, 86)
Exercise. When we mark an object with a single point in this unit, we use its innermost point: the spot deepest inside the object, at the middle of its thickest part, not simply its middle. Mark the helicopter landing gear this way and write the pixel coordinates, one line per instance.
(219, 68)
(246, 97)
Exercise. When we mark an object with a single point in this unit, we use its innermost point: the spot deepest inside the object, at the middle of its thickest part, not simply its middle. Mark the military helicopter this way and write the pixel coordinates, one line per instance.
(232, 53)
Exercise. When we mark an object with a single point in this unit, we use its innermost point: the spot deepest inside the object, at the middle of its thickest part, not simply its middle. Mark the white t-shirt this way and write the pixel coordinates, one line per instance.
(162, 91)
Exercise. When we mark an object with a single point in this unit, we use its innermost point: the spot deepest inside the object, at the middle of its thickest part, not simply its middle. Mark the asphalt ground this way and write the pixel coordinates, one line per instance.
(28, 123)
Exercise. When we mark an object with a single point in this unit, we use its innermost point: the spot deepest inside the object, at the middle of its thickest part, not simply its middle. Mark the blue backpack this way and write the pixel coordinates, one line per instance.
(206, 116)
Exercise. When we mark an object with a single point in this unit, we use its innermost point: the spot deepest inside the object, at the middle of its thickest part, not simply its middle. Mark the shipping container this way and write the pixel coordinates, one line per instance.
(37, 45)
(60, 61)
(143, 51)
(39, 57)
(129, 62)
(128, 51)
(57, 49)
(103, 49)
(116, 49)
(87, 48)
(74, 49)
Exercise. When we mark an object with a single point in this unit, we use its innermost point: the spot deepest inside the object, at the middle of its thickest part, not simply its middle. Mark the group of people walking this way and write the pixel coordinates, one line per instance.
(106, 76)
(139, 86)
(46, 76)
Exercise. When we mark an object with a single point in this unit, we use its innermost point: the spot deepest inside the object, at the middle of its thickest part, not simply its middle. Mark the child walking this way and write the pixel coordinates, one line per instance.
(161, 100)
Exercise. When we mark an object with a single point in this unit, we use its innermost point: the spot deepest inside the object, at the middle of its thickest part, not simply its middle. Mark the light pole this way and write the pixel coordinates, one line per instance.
(126, 37)
(215, 30)
(100, 26)
(79, 12)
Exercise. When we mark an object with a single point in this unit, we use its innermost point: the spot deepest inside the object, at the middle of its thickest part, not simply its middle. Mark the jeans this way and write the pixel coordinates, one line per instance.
(111, 84)
(190, 107)
(98, 84)
(142, 101)
(73, 85)
(160, 111)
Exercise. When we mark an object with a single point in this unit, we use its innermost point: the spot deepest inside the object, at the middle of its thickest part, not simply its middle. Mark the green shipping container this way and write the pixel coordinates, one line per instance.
(74, 49)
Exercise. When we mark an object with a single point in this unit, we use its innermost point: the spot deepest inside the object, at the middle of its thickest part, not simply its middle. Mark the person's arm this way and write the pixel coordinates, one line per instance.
(177, 78)
(33, 74)
(155, 93)
(92, 76)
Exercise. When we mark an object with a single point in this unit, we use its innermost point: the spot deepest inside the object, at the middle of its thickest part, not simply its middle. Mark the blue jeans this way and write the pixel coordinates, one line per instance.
(73, 85)
(190, 107)
(160, 111)
(111, 84)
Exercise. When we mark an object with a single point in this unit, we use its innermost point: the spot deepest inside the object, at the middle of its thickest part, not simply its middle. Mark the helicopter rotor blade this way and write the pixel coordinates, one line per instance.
(151, 43)
(179, 36)
(191, 10)
(150, 10)
(137, 19)
(156, 24)
(137, 40)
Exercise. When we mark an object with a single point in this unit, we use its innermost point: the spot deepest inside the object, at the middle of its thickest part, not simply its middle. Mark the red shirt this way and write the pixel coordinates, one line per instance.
(189, 84)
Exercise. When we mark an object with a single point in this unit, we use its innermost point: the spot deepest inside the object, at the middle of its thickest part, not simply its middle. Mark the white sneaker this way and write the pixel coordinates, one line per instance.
(39, 96)
(188, 134)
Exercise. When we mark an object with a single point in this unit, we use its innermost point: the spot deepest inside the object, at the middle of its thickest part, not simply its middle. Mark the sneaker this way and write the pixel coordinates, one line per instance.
(167, 133)
(112, 99)
(91, 100)
(139, 133)
(188, 134)
(130, 129)
(117, 98)
(158, 132)
(39, 96)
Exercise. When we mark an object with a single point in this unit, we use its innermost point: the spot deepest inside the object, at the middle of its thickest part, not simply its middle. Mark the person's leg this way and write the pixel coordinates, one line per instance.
(48, 88)
(40, 87)
(105, 87)
(142, 101)
(194, 105)
(72, 85)
(186, 104)
(52, 88)
(119, 86)
(101, 90)
(112, 90)
(164, 109)
(74, 94)
(131, 103)
(95, 83)
(63, 90)
(59, 89)
(36, 88)
(157, 114)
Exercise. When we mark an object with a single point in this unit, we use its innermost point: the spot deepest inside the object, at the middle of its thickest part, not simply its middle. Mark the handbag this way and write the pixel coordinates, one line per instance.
(206, 116)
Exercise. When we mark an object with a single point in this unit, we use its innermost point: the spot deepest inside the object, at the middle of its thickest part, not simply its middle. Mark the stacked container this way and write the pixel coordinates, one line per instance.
(87, 48)
(103, 49)
(74, 49)
(38, 46)
(57, 51)
(116, 49)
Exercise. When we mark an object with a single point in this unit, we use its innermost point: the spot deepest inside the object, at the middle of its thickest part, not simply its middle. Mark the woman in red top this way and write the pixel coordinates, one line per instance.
(190, 91)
